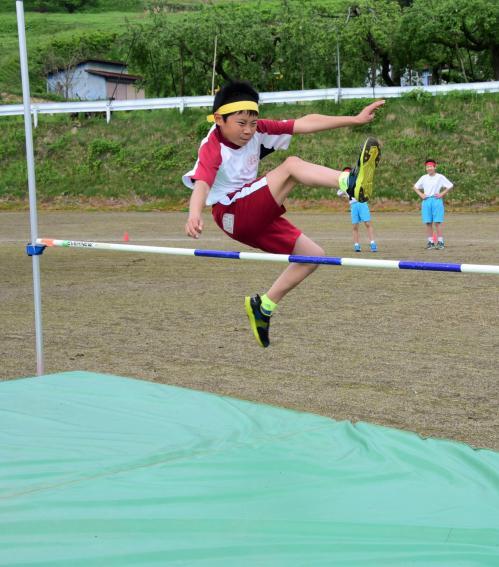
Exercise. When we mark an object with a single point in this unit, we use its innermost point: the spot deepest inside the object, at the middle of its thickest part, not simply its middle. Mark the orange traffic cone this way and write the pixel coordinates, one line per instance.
(125, 237)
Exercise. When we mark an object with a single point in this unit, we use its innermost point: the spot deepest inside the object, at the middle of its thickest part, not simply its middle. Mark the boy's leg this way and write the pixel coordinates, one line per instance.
(281, 182)
(427, 216)
(355, 234)
(294, 170)
(360, 180)
(295, 273)
(429, 236)
(370, 231)
(370, 234)
(259, 309)
(438, 219)
(440, 236)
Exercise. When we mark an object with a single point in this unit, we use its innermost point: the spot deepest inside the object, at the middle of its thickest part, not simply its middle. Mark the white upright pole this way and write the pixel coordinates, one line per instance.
(30, 159)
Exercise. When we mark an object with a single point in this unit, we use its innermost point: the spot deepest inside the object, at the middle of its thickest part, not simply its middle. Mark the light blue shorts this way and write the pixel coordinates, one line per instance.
(432, 210)
(360, 212)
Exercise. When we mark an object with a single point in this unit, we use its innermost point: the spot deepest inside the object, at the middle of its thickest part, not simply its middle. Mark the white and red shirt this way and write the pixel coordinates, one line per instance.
(226, 167)
(432, 184)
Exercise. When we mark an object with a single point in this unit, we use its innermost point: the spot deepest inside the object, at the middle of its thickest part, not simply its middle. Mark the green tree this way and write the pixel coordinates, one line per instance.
(375, 30)
(458, 34)
(176, 55)
(368, 33)
(292, 45)
(277, 47)
(305, 48)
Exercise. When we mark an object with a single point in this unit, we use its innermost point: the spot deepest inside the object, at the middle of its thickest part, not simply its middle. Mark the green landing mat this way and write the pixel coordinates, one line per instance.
(99, 470)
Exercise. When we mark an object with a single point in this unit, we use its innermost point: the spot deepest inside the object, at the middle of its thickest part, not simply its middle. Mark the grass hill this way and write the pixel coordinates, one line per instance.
(137, 160)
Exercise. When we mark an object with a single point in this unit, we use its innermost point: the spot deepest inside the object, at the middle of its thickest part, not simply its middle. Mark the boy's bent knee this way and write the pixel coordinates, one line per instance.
(292, 162)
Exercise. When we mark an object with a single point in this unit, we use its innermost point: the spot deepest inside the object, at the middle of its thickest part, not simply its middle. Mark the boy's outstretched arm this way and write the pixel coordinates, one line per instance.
(318, 122)
(194, 224)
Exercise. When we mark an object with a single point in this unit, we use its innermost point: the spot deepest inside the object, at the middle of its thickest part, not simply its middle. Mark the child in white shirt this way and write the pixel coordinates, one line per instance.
(432, 188)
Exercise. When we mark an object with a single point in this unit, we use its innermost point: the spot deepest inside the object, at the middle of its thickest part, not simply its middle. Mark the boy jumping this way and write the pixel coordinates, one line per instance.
(249, 208)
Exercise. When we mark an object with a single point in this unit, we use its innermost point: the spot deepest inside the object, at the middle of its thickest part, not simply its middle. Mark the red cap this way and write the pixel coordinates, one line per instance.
(430, 162)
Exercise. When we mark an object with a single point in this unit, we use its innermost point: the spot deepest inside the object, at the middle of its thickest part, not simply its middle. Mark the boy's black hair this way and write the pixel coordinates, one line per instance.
(235, 91)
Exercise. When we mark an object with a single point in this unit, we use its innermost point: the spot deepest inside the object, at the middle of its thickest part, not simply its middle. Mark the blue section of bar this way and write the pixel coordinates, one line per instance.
(35, 249)
(217, 254)
(430, 266)
(315, 260)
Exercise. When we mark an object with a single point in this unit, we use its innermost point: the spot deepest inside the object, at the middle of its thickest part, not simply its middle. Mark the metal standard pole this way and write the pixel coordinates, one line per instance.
(30, 159)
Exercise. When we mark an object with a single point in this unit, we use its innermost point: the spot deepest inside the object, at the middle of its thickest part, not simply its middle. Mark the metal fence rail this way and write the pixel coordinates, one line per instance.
(109, 106)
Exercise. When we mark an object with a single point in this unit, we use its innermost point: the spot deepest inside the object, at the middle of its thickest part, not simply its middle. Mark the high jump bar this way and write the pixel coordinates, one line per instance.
(260, 256)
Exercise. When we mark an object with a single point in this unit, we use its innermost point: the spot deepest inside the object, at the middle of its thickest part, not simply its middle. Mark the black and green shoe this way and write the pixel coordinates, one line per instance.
(259, 322)
(360, 180)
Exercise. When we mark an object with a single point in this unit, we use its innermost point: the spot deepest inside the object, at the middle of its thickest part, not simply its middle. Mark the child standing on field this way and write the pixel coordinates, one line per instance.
(359, 212)
(432, 189)
(249, 208)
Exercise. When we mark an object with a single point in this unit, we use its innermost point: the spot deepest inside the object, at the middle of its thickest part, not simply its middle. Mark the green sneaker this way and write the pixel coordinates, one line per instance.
(440, 245)
(259, 322)
(360, 180)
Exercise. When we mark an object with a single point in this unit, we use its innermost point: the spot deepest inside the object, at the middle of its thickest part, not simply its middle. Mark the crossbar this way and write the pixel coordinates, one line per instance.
(260, 256)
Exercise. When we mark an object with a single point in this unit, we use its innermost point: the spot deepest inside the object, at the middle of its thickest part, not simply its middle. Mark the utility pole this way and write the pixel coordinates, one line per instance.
(214, 66)
(338, 67)
(350, 14)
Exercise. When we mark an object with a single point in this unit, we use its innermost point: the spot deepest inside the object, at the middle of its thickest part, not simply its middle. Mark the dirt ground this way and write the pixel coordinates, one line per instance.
(413, 350)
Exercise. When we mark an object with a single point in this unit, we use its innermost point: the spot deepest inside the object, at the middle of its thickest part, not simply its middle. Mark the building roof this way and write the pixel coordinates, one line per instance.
(85, 61)
(106, 61)
(123, 77)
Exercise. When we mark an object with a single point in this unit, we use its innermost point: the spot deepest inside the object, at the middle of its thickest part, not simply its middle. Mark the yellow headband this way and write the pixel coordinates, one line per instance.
(233, 107)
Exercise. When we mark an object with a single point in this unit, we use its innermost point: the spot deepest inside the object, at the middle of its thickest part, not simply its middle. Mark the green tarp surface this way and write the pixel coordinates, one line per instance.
(110, 471)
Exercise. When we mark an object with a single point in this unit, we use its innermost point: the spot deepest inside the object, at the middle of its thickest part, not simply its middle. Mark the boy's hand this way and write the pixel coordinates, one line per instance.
(194, 226)
(368, 113)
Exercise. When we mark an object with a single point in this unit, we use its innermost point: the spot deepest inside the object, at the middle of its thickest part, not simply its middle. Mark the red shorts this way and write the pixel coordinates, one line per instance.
(254, 218)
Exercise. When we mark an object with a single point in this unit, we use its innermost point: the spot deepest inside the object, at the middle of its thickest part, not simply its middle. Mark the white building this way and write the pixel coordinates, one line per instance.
(95, 79)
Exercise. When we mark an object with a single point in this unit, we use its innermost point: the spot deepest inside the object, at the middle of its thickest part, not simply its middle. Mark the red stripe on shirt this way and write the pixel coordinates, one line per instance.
(275, 127)
(209, 160)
